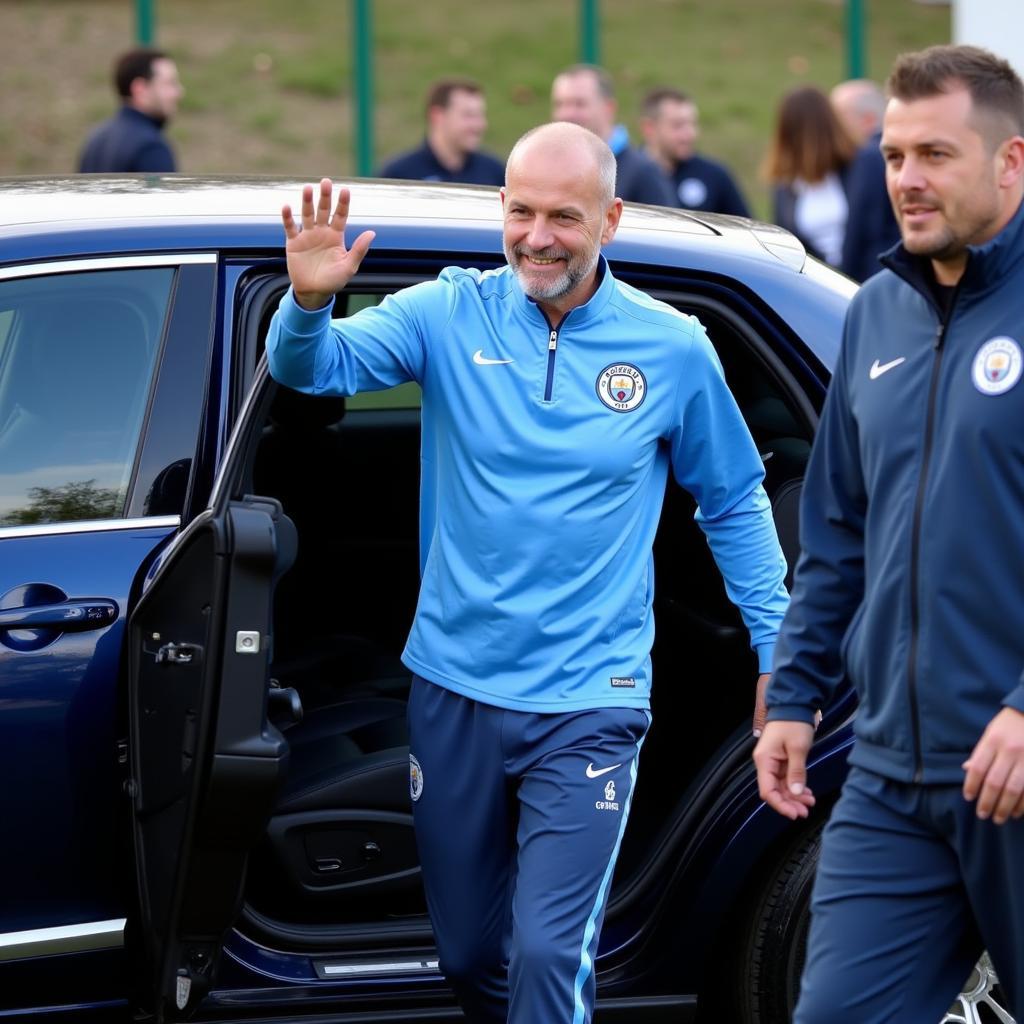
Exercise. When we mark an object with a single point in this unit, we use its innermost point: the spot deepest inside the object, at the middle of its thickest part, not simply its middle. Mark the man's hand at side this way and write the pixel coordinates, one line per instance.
(319, 265)
(995, 769)
(760, 707)
(781, 760)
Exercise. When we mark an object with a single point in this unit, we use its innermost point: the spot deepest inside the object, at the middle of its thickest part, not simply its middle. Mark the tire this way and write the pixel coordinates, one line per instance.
(774, 944)
(775, 948)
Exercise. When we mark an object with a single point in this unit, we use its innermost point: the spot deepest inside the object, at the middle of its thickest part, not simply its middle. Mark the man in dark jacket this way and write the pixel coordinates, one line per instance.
(871, 228)
(132, 140)
(909, 584)
(584, 94)
(670, 126)
(456, 123)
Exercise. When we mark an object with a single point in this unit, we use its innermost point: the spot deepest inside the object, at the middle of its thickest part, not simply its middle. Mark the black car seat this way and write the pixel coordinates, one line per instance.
(341, 833)
(300, 461)
(341, 836)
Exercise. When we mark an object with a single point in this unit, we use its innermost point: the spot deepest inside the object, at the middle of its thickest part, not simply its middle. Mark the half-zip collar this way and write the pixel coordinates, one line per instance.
(987, 265)
(581, 315)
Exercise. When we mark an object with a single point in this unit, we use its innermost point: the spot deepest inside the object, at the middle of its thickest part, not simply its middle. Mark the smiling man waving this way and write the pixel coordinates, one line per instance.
(555, 399)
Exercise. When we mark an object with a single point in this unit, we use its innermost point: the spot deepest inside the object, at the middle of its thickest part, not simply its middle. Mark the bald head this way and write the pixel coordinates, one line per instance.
(859, 104)
(567, 145)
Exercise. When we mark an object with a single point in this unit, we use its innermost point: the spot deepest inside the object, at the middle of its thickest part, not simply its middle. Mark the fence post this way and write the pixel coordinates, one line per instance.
(362, 68)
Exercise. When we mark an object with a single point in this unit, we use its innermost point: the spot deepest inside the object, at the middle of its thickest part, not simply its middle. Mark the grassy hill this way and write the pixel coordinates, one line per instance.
(269, 83)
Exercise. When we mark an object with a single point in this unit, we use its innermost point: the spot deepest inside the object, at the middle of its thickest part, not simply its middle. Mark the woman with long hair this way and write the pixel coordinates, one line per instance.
(807, 165)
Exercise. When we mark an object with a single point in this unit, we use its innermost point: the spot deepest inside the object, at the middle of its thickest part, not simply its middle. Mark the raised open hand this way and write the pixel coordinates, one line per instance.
(319, 265)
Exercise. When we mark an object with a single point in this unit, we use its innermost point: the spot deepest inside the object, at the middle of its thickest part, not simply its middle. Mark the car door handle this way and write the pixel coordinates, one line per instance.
(77, 616)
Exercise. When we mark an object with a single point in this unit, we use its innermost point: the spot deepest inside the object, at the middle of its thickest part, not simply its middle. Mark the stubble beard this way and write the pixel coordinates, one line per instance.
(578, 268)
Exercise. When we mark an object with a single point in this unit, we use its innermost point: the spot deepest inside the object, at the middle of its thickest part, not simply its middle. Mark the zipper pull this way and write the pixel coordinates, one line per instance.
(940, 333)
(553, 341)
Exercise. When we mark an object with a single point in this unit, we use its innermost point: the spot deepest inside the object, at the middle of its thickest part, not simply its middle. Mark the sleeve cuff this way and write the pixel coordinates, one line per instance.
(303, 321)
(765, 654)
(791, 713)
(1015, 699)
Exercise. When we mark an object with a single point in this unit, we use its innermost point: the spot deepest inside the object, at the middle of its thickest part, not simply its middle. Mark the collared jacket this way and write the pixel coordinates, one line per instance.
(546, 449)
(480, 168)
(128, 142)
(912, 519)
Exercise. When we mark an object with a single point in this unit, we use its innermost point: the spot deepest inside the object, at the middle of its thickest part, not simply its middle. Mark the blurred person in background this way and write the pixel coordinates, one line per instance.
(456, 123)
(871, 228)
(670, 126)
(133, 139)
(585, 95)
(807, 165)
(859, 104)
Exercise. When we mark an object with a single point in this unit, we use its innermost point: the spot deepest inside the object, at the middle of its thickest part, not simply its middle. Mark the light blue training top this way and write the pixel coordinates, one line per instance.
(545, 452)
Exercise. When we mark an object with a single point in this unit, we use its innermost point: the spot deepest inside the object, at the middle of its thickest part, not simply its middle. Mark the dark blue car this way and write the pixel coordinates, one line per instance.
(205, 584)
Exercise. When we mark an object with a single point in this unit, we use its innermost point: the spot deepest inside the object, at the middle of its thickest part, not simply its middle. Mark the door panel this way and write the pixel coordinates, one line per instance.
(206, 763)
(87, 350)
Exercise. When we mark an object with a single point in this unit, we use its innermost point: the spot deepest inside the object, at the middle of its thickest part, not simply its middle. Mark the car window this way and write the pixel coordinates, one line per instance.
(404, 396)
(77, 355)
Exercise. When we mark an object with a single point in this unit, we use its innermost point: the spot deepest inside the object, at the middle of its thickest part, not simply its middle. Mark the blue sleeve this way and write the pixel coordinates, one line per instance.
(715, 459)
(376, 348)
(828, 585)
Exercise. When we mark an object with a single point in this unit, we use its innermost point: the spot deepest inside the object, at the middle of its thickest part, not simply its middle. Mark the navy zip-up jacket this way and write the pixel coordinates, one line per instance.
(912, 519)
(130, 141)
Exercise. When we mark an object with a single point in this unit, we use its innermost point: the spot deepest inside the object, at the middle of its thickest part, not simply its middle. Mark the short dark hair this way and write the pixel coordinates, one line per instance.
(654, 99)
(440, 92)
(134, 64)
(605, 85)
(994, 87)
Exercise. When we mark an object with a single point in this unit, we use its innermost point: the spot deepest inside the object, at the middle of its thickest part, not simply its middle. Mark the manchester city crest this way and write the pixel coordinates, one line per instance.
(621, 387)
(997, 366)
(415, 778)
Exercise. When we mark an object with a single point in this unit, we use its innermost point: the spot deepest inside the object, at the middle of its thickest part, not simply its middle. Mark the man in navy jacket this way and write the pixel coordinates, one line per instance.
(133, 140)
(871, 228)
(670, 125)
(456, 123)
(909, 581)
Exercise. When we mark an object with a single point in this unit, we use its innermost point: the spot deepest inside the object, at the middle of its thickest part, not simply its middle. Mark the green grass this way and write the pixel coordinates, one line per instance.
(269, 84)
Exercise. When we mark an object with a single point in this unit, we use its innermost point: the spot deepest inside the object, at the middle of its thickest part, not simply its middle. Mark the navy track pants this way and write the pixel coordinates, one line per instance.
(519, 818)
(911, 887)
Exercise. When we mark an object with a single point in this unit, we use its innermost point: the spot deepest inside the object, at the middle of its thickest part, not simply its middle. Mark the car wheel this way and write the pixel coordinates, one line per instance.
(982, 1001)
(775, 944)
(776, 947)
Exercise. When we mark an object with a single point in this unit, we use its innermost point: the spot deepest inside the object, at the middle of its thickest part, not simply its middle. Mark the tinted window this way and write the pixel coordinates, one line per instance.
(404, 396)
(77, 354)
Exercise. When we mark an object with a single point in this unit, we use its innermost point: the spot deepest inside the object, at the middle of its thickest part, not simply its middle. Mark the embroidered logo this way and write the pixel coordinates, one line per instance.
(596, 773)
(622, 387)
(877, 369)
(415, 778)
(609, 803)
(626, 681)
(481, 360)
(997, 366)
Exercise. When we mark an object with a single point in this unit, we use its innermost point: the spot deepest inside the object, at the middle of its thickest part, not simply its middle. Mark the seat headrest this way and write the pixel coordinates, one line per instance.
(294, 410)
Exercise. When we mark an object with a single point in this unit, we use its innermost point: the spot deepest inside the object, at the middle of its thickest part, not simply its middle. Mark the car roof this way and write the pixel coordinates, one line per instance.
(419, 227)
(116, 197)
(29, 205)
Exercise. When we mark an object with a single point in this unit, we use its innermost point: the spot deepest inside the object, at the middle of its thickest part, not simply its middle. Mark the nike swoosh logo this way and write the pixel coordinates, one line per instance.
(596, 773)
(481, 360)
(877, 369)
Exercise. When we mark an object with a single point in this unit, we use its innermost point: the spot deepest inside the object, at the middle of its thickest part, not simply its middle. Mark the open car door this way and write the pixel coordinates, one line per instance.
(205, 760)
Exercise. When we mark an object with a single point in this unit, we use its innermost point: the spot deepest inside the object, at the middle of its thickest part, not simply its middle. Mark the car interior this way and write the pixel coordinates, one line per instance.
(338, 859)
